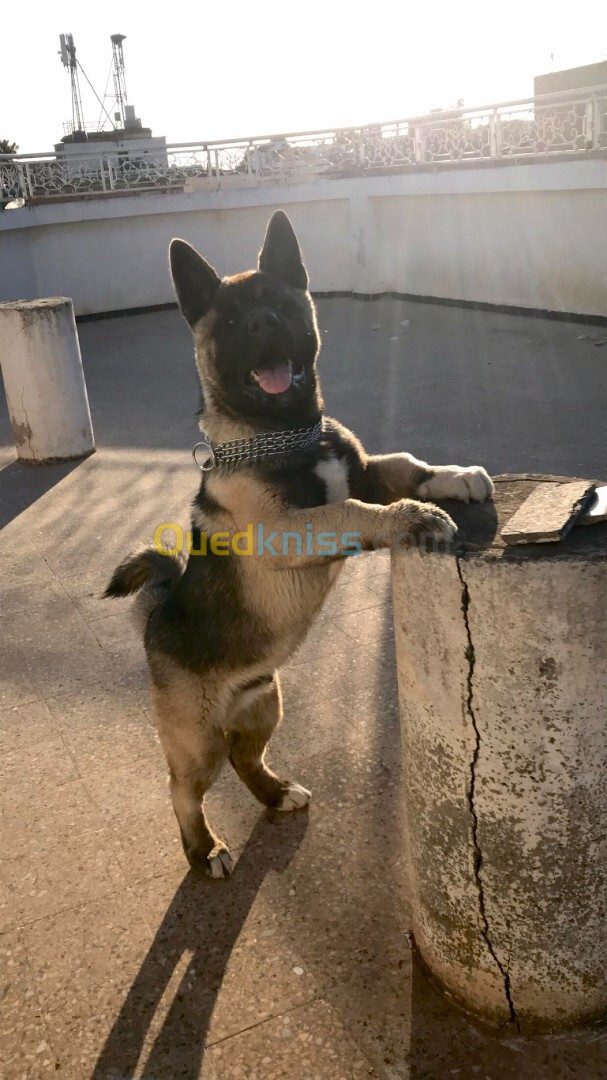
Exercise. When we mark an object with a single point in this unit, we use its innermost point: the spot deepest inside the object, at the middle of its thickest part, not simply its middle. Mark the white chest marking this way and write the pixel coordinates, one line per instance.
(334, 473)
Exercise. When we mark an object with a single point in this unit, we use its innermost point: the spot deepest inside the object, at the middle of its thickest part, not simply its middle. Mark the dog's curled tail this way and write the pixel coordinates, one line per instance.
(147, 567)
(150, 574)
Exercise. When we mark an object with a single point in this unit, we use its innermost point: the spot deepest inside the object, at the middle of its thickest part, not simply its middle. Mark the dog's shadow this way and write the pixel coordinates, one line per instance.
(203, 923)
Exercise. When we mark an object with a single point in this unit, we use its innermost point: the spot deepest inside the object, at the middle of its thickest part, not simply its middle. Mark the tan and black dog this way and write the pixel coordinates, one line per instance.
(287, 495)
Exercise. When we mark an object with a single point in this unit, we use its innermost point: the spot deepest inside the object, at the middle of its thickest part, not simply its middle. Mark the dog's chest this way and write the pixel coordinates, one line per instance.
(333, 471)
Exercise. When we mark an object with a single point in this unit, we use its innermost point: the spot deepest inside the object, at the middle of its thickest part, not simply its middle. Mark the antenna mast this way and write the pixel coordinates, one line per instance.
(119, 75)
(67, 52)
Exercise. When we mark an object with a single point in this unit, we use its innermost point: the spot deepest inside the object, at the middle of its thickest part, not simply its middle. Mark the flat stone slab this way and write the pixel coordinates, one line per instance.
(481, 525)
(548, 513)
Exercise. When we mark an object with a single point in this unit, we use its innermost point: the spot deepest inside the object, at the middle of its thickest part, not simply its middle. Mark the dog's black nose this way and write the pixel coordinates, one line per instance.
(262, 323)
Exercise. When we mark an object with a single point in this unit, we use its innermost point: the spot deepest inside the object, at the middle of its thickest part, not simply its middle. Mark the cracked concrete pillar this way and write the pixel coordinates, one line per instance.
(502, 658)
(44, 381)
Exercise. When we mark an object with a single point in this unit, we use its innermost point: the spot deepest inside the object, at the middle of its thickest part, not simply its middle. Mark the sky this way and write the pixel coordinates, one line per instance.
(198, 71)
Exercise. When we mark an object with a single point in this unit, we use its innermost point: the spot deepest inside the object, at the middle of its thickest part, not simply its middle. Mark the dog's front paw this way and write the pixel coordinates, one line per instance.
(413, 521)
(457, 482)
(435, 523)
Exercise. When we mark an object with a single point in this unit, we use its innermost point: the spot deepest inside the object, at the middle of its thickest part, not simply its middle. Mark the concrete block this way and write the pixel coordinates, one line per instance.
(44, 381)
(501, 656)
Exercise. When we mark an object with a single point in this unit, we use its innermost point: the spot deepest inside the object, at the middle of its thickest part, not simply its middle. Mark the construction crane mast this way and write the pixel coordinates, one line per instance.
(119, 75)
(67, 52)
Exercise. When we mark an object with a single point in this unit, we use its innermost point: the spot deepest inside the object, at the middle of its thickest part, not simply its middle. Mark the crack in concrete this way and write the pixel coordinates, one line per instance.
(28, 427)
(471, 792)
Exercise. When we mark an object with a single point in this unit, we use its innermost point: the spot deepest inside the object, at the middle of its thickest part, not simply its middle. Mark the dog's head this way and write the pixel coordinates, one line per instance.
(255, 333)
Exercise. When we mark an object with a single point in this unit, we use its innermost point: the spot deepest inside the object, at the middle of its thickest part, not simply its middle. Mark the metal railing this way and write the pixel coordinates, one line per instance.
(573, 122)
(90, 126)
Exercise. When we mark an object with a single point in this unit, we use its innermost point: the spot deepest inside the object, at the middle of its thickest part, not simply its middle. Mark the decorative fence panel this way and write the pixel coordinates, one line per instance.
(567, 123)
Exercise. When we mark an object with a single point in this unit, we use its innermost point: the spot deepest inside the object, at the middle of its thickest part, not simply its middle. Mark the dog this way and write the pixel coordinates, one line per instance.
(221, 622)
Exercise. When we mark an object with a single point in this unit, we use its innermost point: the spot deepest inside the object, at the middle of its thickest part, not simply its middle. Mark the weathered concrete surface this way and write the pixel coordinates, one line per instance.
(501, 664)
(44, 381)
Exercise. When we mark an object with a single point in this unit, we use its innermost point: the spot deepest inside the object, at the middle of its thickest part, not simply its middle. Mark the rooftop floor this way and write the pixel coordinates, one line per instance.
(118, 962)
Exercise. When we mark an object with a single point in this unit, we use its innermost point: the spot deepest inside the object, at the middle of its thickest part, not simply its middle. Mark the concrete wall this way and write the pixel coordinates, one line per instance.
(533, 249)
(17, 273)
(532, 235)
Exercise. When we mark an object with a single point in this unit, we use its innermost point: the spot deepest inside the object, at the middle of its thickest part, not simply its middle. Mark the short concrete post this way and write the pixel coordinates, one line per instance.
(503, 691)
(44, 381)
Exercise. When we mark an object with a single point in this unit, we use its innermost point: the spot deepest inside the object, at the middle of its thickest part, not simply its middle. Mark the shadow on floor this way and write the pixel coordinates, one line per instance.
(21, 485)
(446, 1044)
(203, 921)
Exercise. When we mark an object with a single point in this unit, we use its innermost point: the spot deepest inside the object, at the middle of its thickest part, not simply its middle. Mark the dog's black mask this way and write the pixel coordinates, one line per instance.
(255, 333)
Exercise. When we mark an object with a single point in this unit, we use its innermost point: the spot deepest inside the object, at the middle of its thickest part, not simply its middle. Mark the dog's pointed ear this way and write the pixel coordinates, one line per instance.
(195, 280)
(280, 255)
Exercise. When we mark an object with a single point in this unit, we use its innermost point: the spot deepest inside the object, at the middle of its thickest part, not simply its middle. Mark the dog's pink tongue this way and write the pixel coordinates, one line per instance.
(274, 380)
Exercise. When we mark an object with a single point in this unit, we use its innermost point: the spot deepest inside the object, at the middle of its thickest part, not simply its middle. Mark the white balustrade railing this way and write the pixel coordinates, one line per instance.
(573, 122)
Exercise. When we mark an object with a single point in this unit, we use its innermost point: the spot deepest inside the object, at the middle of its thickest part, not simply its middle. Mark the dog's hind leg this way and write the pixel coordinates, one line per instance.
(196, 749)
(251, 725)
(204, 850)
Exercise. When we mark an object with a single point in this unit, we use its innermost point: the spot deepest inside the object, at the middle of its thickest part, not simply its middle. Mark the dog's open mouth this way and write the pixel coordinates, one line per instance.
(277, 379)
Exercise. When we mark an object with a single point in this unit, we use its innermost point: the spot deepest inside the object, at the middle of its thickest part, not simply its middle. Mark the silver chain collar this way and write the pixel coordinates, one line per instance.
(266, 444)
